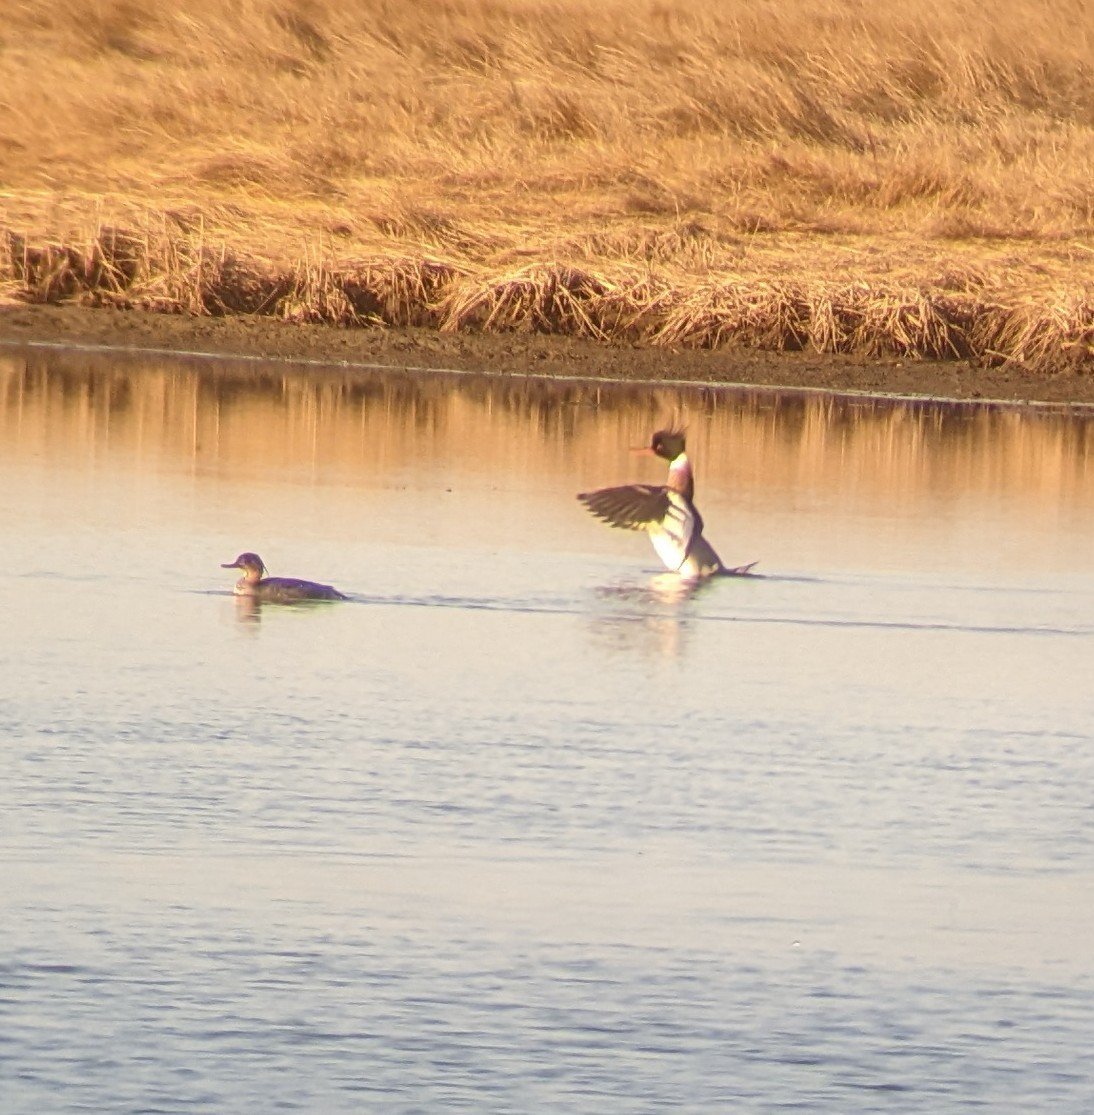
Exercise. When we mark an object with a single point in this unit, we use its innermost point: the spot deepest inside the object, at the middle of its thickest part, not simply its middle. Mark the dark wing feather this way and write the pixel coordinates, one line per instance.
(630, 507)
(291, 588)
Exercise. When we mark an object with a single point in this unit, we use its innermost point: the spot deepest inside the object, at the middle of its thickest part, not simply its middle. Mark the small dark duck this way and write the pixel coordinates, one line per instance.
(276, 590)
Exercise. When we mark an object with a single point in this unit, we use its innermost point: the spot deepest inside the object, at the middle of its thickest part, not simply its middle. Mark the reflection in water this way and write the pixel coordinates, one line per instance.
(521, 827)
(662, 588)
(801, 483)
(650, 617)
(248, 609)
(248, 420)
(657, 635)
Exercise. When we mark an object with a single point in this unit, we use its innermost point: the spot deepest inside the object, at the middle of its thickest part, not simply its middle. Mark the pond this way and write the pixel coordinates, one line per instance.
(521, 825)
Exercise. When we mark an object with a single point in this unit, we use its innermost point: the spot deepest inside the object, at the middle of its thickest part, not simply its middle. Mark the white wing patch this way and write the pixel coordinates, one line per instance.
(672, 537)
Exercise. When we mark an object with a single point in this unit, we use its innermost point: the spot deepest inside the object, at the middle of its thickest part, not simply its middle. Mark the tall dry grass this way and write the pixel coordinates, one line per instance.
(842, 175)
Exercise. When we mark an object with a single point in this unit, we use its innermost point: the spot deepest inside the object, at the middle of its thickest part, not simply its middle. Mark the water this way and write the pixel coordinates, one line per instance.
(519, 827)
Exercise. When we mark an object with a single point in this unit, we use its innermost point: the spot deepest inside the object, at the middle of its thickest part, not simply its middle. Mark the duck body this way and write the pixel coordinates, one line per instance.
(276, 590)
(666, 512)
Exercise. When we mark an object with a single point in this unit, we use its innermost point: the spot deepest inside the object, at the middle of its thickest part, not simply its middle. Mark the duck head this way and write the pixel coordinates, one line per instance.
(666, 444)
(251, 564)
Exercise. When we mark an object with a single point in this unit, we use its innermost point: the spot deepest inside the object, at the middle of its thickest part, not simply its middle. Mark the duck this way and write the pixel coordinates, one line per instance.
(666, 512)
(277, 590)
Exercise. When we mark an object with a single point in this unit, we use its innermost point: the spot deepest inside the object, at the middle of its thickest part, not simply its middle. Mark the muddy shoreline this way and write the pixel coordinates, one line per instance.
(521, 354)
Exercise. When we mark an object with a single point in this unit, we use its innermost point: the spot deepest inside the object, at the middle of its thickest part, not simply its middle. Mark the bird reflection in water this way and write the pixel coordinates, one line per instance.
(652, 618)
(248, 610)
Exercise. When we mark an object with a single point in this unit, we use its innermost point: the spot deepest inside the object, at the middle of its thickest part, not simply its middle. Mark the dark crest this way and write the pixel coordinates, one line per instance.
(668, 444)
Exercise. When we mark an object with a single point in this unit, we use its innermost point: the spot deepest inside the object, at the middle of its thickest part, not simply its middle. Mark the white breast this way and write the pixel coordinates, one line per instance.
(672, 537)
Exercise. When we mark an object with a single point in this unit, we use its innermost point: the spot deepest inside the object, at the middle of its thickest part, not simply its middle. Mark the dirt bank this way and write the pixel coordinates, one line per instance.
(516, 354)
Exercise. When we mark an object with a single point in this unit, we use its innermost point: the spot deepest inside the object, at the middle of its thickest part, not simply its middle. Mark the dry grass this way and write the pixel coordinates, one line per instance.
(836, 175)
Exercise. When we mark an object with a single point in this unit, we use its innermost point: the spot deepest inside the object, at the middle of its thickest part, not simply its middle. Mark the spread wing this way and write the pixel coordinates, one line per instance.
(630, 507)
(670, 518)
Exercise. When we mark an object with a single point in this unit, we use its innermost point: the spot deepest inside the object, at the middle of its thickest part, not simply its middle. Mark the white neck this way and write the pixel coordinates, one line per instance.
(680, 473)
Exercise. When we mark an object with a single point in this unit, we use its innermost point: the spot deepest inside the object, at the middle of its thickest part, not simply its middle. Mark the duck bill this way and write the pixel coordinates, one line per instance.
(230, 565)
(643, 451)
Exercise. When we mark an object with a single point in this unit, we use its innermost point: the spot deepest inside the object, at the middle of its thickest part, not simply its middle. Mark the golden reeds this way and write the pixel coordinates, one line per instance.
(620, 304)
(827, 176)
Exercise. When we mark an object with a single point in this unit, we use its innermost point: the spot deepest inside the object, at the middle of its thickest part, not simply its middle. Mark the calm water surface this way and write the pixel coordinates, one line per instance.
(519, 827)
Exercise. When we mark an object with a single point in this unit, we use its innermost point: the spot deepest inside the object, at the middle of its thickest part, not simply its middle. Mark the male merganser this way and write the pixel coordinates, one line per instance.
(278, 590)
(668, 513)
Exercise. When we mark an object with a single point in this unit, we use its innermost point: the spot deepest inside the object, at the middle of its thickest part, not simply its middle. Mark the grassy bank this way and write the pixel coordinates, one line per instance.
(833, 176)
